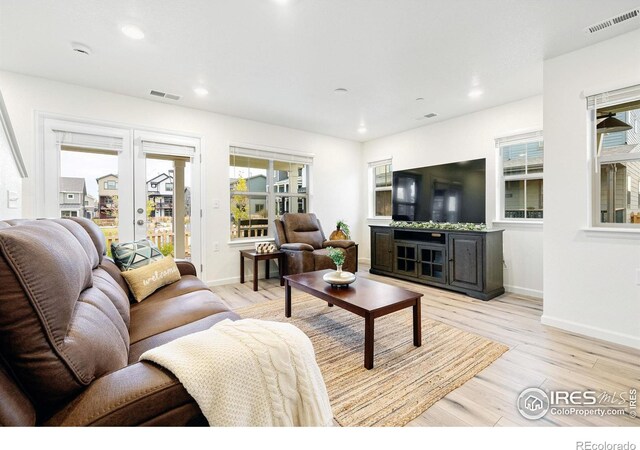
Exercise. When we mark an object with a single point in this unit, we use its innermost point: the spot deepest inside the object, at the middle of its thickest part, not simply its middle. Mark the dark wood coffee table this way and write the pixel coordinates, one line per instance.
(367, 298)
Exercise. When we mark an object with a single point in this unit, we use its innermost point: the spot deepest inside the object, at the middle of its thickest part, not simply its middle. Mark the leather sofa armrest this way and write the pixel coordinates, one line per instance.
(139, 394)
(297, 247)
(342, 243)
(186, 267)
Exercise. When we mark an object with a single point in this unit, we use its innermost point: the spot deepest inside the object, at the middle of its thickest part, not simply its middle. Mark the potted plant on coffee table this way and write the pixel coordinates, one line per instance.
(337, 255)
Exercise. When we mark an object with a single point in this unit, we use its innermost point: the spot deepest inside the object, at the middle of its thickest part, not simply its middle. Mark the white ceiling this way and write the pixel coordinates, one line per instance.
(279, 62)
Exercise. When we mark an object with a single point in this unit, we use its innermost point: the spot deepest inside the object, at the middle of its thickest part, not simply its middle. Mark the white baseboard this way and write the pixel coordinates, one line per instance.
(230, 280)
(591, 331)
(523, 291)
(364, 261)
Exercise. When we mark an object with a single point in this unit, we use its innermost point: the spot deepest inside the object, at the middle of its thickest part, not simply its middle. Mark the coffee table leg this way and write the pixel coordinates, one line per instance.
(368, 342)
(267, 268)
(330, 305)
(255, 274)
(281, 269)
(241, 268)
(417, 324)
(287, 299)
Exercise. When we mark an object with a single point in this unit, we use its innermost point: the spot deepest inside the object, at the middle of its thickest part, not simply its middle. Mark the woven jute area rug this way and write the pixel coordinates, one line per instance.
(405, 380)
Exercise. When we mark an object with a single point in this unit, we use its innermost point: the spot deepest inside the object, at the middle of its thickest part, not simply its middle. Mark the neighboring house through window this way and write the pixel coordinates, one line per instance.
(263, 185)
(380, 176)
(521, 169)
(616, 157)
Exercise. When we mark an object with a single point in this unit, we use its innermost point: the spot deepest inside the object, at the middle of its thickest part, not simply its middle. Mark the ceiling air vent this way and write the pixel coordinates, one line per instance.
(634, 13)
(165, 95)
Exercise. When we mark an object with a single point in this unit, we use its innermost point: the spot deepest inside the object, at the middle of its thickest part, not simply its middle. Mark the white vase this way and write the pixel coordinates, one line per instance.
(339, 268)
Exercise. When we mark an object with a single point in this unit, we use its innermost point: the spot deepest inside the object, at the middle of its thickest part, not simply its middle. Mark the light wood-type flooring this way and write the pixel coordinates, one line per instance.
(539, 356)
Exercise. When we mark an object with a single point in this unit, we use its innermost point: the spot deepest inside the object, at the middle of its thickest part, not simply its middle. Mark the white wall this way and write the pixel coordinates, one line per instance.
(335, 189)
(589, 277)
(471, 137)
(10, 180)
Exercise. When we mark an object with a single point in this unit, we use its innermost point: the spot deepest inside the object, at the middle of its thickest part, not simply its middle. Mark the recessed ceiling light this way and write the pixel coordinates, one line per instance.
(281, 2)
(133, 32)
(362, 129)
(200, 91)
(340, 91)
(420, 99)
(475, 93)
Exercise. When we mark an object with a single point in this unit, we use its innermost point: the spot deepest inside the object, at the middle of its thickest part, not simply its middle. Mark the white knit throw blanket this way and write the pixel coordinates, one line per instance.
(249, 373)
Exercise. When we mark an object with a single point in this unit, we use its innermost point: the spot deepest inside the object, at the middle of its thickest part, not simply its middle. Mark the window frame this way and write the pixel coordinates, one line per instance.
(272, 193)
(373, 189)
(502, 179)
(595, 101)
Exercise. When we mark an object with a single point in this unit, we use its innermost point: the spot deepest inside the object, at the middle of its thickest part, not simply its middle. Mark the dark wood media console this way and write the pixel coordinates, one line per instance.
(463, 261)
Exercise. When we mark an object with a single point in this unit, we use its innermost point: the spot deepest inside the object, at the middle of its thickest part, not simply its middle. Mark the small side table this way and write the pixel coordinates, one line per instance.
(266, 257)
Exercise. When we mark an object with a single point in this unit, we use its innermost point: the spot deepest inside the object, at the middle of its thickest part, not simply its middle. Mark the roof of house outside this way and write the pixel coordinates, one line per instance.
(105, 176)
(72, 184)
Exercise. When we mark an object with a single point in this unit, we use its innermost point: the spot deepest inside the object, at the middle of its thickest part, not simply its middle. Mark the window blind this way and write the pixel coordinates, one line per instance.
(382, 162)
(89, 141)
(516, 138)
(615, 97)
(276, 155)
(163, 148)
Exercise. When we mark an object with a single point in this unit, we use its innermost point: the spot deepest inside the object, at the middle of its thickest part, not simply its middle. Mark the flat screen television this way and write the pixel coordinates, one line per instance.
(452, 193)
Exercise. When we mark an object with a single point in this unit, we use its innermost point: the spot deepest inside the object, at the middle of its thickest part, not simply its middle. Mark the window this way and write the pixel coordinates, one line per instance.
(263, 185)
(521, 170)
(616, 156)
(111, 185)
(380, 194)
(168, 186)
(69, 196)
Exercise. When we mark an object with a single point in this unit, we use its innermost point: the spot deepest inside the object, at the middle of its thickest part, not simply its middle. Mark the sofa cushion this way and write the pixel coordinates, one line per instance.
(145, 280)
(110, 287)
(321, 260)
(94, 232)
(156, 340)
(160, 313)
(83, 238)
(57, 332)
(132, 255)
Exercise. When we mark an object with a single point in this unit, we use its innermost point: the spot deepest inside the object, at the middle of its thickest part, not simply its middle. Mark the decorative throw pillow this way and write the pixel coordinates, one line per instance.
(145, 280)
(131, 255)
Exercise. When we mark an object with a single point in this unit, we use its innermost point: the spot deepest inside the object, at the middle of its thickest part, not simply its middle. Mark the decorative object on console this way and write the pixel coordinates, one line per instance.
(265, 247)
(341, 232)
(430, 225)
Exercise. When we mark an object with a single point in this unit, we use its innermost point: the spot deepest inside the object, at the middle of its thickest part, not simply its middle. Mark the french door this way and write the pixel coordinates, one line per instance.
(134, 184)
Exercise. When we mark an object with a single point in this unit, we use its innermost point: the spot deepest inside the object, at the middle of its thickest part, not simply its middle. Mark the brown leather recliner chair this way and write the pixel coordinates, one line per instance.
(300, 237)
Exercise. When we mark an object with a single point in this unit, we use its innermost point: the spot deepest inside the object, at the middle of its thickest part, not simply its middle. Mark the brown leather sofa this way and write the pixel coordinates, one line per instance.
(300, 237)
(70, 339)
